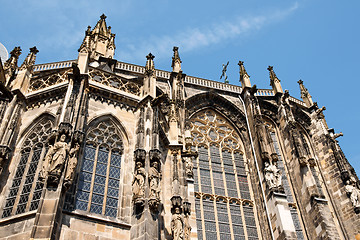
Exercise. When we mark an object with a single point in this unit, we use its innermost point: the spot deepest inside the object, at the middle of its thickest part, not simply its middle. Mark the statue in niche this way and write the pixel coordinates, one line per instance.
(54, 161)
(154, 179)
(189, 166)
(177, 225)
(138, 183)
(72, 163)
(273, 176)
(354, 193)
(59, 153)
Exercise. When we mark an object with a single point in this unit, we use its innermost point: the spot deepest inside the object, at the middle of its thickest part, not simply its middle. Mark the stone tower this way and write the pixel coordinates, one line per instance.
(96, 148)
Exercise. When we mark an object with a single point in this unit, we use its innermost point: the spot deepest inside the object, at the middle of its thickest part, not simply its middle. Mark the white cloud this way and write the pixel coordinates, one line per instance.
(195, 38)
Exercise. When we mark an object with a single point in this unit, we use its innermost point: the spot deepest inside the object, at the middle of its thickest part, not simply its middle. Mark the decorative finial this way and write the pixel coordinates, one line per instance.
(176, 61)
(274, 81)
(150, 67)
(244, 76)
(305, 95)
(223, 74)
(34, 50)
(150, 56)
(103, 16)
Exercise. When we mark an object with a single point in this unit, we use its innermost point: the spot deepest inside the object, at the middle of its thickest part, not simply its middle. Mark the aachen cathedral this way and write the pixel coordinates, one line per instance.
(96, 148)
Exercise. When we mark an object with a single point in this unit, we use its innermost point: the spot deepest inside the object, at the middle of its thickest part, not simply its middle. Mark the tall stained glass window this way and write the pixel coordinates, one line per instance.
(99, 178)
(224, 209)
(26, 188)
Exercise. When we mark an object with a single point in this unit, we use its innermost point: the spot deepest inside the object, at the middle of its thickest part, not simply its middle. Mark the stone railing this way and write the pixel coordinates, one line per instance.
(50, 66)
(297, 101)
(264, 92)
(188, 79)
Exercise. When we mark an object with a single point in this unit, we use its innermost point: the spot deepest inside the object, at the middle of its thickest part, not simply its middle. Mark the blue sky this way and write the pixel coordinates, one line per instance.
(313, 40)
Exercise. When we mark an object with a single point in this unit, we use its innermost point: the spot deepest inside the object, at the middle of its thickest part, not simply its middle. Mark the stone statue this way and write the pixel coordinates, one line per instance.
(223, 74)
(59, 152)
(189, 166)
(353, 192)
(272, 176)
(187, 228)
(154, 179)
(54, 160)
(72, 163)
(138, 183)
(177, 225)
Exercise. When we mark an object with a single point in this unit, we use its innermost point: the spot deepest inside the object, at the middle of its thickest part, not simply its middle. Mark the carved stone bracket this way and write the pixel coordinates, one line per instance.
(65, 128)
(78, 137)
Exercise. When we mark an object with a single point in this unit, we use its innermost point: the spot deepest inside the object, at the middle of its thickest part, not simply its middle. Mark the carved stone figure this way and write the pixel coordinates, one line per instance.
(154, 178)
(177, 225)
(189, 166)
(354, 194)
(72, 163)
(138, 184)
(272, 176)
(59, 153)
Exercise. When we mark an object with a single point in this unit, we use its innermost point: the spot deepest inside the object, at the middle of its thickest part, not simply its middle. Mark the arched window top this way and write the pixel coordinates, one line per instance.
(39, 133)
(106, 134)
(210, 128)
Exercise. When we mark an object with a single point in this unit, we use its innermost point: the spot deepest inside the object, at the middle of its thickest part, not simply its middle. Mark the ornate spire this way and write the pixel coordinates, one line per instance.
(99, 41)
(305, 95)
(101, 27)
(30, 59)
(244, 76)
(150, 66)
(176, 61)
(274, 81)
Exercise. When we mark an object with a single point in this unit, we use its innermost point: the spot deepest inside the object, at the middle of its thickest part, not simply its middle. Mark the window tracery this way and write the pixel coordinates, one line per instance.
(99, 178)
(114, 81)
(26, 188)
(220, 179)
(50, 80)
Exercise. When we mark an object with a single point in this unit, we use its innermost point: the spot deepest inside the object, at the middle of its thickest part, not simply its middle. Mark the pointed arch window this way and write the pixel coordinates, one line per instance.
(99, 178)
(220, 174)
(26, 188)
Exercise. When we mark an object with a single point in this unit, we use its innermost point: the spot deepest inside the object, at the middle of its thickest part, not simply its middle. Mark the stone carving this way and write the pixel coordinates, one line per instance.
(55, 159)
(189, 166)
(138, 184)
(71, 166)
(273, 177)
(4, 154)
(154, 180)
(354, 193)
(177, 223)
(187, 227)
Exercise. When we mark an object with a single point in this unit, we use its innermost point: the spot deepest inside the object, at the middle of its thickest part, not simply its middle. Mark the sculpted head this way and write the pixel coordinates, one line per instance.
(62, 138)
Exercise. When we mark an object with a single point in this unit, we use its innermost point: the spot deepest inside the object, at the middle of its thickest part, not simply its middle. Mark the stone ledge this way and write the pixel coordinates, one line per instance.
(17, 218)
(95, 218)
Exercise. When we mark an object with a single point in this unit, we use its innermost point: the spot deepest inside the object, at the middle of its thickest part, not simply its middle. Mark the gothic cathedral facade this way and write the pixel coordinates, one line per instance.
(95, 148)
